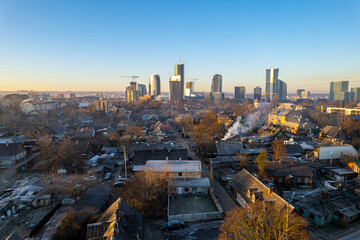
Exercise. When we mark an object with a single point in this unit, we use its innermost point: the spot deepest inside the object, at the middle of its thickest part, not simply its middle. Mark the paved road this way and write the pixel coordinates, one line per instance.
(222, 196)
(352, 236)
(7, 174)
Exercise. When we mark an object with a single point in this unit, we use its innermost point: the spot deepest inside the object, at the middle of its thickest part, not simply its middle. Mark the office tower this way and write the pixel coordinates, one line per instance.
(142, 90)
(189, 89)
(282, 90)
(271, 85)
(240, 93)
(179, 71)
(257, 93)
(355, 94)
(216, 85)
(298, 92)
(154, 85)
(274, 86)
(175, 88)
(72, 95)
(131, 93)
(102, 105)
(339, 91)
(304, 94)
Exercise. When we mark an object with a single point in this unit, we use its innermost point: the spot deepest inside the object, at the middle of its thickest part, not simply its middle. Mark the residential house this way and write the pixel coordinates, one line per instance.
(229, 148)
(335, 152)
(119, 222)
(332, 133)
(142, 156)
(10, 153)
(185, 175)
(289, 174)
(342, 174)
(247, 189)
(333, 206)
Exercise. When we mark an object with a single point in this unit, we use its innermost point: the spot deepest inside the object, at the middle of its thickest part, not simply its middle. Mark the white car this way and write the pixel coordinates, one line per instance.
(122, 178)
(90, 178)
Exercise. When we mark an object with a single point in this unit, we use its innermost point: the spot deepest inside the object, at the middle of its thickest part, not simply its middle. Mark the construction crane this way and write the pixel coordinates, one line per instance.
(193, 80)
(266, 94)
(133, 78)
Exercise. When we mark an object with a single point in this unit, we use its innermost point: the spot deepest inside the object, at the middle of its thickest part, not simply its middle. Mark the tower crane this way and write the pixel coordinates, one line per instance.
(266, 94)
(133, 78)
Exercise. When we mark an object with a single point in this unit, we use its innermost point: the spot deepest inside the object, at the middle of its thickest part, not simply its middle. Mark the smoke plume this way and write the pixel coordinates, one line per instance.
(243, 126)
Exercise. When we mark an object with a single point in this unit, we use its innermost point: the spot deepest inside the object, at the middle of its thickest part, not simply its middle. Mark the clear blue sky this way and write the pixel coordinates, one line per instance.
(88, 45)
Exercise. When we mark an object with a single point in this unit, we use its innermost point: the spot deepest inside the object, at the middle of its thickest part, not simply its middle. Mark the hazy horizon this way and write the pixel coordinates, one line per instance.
(89, 45)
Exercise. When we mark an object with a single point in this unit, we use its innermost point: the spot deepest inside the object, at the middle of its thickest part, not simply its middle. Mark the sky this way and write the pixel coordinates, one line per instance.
(89, 45)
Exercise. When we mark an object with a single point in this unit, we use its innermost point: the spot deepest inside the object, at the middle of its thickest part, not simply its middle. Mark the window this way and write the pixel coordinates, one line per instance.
(180, 174)
(186, 189)
(194, 189)
(280, 179)
(271, 179)
(312, 217)
(298, 180)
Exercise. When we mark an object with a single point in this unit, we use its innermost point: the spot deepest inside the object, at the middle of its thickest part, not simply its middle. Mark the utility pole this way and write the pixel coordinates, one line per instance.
(211, 177)
(125, 161)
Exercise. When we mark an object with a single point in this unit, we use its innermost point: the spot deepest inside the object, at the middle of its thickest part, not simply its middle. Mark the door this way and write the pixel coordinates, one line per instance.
(179, 190)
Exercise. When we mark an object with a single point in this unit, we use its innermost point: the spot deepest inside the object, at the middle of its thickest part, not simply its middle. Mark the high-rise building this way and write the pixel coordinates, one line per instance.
(355, 94)
(189, 89)
(240, 93)
(339, 91)
(216, 85)
(131, 93)
(298, 92)
(274, 86)
(102, 105)
(282, 90)
(179, 71)
(271, 84)
(175, 88)
(72, 95)
(154, 85)
(257, 93)
(142, 90)
(304, 94)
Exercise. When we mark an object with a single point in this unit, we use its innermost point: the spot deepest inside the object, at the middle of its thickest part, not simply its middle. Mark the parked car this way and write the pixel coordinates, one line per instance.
(119, 183)
(173, 224)
(121, 178)
(108, 176)
(90, 178)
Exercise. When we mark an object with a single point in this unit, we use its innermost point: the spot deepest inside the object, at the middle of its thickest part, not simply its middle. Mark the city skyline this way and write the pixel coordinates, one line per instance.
(49, 46)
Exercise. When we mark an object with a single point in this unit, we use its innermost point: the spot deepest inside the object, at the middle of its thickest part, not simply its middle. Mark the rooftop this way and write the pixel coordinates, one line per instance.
(174, 165)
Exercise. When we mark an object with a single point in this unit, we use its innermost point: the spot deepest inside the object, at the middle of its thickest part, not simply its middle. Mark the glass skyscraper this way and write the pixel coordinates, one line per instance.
(339, 91)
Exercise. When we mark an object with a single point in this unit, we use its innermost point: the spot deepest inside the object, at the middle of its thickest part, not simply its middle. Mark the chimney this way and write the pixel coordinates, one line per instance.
(324, 197)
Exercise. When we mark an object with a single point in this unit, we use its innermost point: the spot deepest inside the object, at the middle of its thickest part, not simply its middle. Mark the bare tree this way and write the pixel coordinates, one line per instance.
(261, 221)
(278, 150)
(261, 162)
